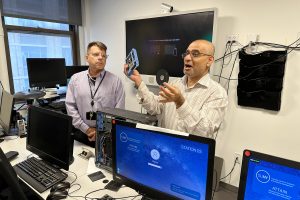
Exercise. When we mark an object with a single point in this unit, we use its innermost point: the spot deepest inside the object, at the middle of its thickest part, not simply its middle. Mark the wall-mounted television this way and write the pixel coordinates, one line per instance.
(160, 40)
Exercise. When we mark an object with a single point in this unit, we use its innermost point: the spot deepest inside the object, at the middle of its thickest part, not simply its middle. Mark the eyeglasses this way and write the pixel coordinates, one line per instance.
(97, 54)
(194, 54)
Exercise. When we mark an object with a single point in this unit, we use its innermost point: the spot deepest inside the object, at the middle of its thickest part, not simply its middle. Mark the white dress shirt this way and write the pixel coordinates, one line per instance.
(202, 112)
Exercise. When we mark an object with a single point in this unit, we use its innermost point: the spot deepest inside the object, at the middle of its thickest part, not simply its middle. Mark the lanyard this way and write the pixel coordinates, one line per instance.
(93, 95)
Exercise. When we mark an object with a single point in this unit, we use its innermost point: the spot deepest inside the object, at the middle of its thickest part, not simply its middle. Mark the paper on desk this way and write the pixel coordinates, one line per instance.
(91, 166)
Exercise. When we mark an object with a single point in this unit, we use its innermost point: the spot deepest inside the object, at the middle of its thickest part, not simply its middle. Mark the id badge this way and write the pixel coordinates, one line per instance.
(90, 115)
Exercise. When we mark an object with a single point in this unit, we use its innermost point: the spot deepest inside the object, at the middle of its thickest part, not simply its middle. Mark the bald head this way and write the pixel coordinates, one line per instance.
(205, 46)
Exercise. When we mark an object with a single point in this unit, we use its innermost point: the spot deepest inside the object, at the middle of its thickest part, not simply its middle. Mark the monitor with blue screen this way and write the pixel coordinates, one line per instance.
(268, 177)
(162, 164)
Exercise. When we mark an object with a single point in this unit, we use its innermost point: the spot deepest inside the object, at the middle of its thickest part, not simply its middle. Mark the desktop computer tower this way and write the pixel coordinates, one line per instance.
(103, 148)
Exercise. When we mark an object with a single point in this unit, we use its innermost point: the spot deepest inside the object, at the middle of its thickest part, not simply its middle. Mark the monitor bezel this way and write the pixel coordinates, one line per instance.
(8, 109)
(151, 192)
(46, 84)
(151, 79)
(264, 157)
(69, 143)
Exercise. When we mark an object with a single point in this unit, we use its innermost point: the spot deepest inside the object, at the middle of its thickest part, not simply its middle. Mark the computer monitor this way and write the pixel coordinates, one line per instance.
(6, 110)
(265, 176)
(9, 184)
(71, 70)
(160, 40)
(1, 92)
(162, 164)
(49, 135)
(46, 72)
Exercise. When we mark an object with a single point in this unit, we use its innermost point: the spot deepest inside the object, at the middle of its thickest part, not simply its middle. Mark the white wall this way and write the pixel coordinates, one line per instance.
(276, 21)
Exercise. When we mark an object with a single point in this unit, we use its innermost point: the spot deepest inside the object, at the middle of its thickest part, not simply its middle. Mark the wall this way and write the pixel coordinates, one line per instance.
(3, 64)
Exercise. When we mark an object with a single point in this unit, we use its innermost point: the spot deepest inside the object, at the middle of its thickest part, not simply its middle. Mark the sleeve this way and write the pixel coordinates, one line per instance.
(149, 100)
(205, 121)
(120, 95)
(72, 108)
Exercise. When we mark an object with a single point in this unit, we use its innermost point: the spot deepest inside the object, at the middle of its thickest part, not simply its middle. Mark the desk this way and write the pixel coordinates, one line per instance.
(79, 167)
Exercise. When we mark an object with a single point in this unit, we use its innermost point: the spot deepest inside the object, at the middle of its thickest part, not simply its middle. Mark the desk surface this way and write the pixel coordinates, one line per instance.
(79, 167)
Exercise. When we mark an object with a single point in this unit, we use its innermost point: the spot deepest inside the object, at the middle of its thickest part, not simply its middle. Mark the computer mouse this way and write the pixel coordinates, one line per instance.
(56, 195)
(63, 186)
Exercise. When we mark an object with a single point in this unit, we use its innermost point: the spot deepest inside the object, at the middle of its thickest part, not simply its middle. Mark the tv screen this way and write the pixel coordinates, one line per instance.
(266, 176)
(46, 72)
(49, 136)
(160, 40)
(161, 164)
(6, 109)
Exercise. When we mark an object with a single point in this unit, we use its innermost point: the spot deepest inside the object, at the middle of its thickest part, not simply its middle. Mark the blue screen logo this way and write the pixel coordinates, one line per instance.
(263, 176)
(155, 154)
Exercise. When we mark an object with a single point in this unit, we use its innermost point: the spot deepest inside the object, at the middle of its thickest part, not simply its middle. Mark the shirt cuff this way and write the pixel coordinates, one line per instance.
(84, 127)
(184, 110)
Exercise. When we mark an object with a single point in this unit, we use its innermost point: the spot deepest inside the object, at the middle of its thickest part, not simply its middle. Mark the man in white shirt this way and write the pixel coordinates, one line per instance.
(195, 103)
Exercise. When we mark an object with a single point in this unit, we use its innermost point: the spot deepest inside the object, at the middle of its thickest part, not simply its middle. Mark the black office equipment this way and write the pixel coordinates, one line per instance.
(10, 155)
(265, 176)
(57, 105)
(161, 163)
(261, 79)
(9, 185)
(113, 186)
(103, 150)
(71, 70)
(49, 137)
(161, 39)
(39, 174)
(6, 116)
(46, 72)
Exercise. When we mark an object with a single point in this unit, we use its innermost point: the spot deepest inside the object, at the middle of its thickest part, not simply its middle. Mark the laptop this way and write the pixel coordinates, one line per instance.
(265, 176)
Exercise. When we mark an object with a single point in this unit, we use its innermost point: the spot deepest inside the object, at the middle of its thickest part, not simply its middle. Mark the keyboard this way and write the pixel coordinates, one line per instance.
(38, 174)
(57, 105)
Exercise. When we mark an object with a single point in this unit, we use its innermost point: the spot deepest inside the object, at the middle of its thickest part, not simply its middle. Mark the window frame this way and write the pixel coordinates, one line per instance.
(73, 33)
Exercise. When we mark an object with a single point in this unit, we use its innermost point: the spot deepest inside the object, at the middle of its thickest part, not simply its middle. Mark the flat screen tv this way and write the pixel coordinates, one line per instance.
(162, 164)
(161, 40)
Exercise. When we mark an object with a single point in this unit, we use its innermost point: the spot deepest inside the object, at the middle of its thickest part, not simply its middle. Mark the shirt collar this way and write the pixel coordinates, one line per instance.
(101, 74)
(204, 81)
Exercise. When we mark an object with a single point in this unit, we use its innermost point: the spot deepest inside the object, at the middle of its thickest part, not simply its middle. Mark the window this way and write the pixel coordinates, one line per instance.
(35, 39)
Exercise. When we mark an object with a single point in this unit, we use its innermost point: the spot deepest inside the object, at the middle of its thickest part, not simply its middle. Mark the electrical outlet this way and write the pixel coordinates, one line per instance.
(232, 37)
(238, 156)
